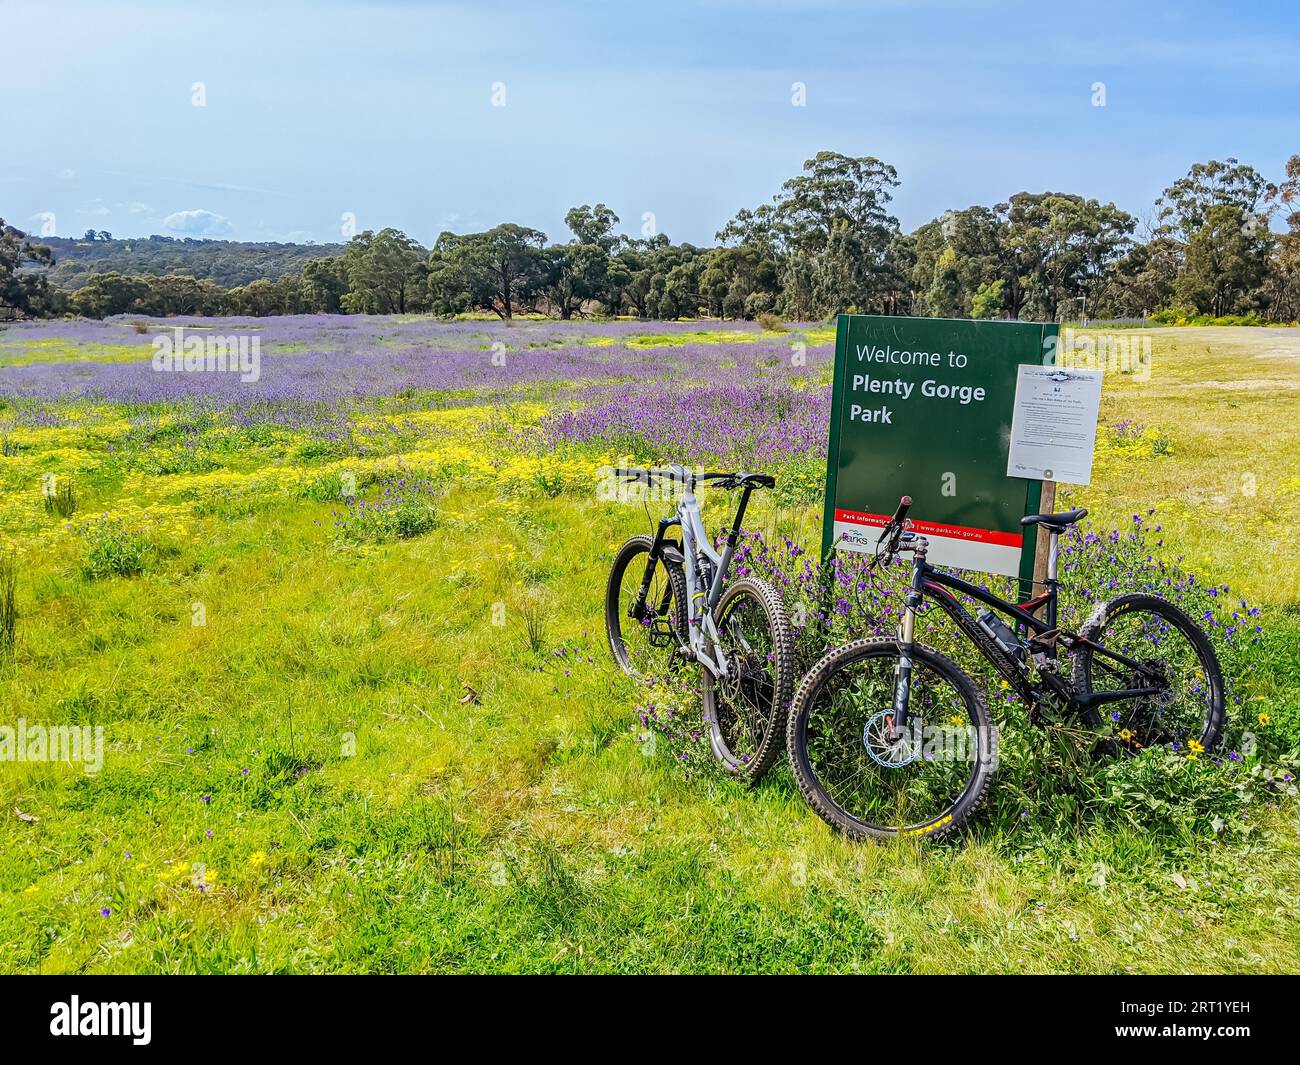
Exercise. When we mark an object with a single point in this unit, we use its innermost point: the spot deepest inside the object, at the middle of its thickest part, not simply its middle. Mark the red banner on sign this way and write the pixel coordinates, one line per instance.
(932, 528)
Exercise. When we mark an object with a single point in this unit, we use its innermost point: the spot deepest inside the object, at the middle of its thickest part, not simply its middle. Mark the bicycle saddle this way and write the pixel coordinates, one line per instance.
(1055, 522)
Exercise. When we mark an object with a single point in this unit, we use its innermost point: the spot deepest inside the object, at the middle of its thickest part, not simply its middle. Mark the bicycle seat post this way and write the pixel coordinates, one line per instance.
(1051, 582)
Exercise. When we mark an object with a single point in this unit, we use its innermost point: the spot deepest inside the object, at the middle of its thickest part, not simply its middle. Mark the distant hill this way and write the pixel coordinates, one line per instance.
(227, 262)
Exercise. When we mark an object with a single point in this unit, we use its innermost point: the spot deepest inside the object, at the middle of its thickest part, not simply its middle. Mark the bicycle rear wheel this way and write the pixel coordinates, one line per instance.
(1165, 641)
(746, 710)
(924, 784)
(646, 640)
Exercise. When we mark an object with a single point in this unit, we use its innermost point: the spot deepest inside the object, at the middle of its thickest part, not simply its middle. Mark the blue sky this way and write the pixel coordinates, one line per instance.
(384, 109)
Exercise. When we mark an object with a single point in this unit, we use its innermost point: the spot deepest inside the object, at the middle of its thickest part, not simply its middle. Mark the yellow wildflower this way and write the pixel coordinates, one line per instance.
(175, 871)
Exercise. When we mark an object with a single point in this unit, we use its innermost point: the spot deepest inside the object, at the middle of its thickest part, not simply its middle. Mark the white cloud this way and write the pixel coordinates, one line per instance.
(468, 222)
(197, 222)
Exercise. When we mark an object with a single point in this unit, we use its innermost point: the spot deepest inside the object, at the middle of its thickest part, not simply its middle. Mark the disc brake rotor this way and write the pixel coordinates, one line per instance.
(891, 754)
(740, 662)
(740, 671)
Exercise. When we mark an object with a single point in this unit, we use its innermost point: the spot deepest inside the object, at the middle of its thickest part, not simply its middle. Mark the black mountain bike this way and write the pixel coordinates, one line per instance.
(888, 737)
(669, 601)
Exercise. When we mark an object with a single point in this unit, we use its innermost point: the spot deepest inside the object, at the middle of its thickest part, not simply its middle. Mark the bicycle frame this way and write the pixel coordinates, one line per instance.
(701, 594)
(1043, 637)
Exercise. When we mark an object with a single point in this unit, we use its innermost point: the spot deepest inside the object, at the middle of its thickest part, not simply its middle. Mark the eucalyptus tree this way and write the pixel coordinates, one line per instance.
(829, 233)
(24, 289)
(500, 270)
(386, 273)
(1062, 247)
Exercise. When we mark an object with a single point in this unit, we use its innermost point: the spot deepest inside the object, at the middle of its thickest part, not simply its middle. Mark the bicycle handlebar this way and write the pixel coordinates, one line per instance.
(891, 535)
(683, 476)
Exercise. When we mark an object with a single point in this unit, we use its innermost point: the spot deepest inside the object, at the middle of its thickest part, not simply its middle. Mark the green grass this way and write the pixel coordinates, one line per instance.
(822, 335)
(1228, 490)
(28, 352)
(360, 762)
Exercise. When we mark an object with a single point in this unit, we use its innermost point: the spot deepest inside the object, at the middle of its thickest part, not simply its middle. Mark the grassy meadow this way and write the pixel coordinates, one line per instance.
(344, 636)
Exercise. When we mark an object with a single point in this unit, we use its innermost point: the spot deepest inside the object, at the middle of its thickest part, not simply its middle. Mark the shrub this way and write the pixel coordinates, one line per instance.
(407, 507)
(1129, 435)
(1188, 316)
(771, 322)
(335, 487)
(114, 550)
(1194, 794)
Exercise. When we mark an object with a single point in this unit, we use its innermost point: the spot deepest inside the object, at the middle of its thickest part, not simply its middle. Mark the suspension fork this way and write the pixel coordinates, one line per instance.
(637, 609)
(906, 639)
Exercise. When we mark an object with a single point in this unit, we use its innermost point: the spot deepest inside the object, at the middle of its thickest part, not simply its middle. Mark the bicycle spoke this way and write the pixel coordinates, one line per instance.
(645, 631)
(748, 705)
(849, 749)
(1181, 695)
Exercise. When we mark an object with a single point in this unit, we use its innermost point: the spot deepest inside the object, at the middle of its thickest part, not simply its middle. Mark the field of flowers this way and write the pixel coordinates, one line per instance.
(341, 626)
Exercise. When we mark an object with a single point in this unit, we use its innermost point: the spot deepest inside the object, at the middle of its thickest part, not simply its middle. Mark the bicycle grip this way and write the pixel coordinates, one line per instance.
(904, 505)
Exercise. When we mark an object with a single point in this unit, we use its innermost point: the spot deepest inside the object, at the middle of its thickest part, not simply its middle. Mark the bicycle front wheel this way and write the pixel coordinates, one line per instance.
(646, 635)
(746, 709)
(869, 783)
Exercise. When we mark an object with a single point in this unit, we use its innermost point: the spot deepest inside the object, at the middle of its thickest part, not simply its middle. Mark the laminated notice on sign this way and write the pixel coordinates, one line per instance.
(1054, 424)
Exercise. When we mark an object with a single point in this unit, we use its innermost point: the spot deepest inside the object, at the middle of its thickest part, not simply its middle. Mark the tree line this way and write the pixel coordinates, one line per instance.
(230, 263)
(1222, 240)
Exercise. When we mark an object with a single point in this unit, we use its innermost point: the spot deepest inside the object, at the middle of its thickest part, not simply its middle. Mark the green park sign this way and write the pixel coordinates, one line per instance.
(923, 407)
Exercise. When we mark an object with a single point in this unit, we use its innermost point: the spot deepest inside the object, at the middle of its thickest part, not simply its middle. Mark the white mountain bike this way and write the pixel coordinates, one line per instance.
(669, 601)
